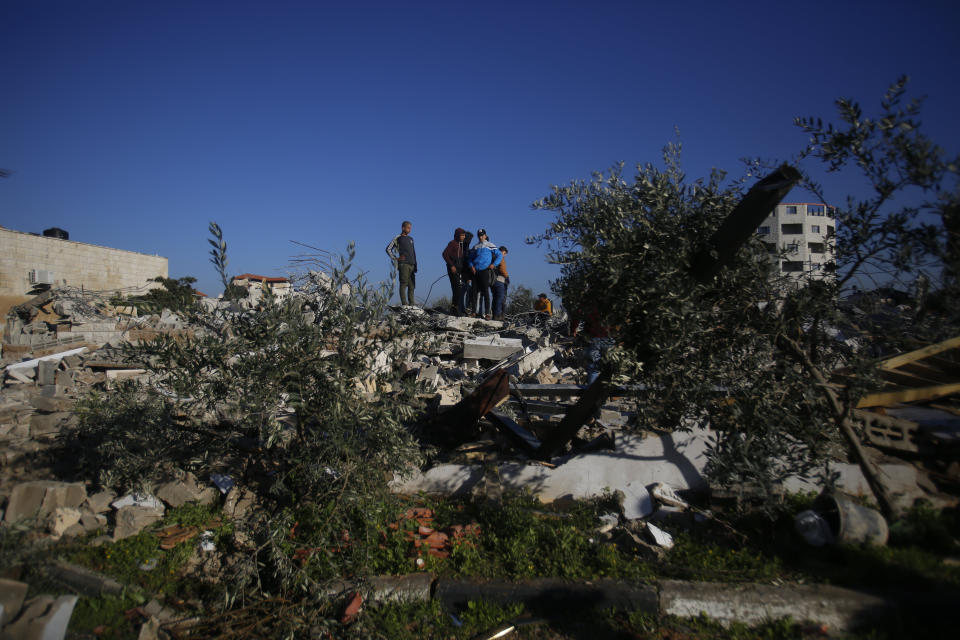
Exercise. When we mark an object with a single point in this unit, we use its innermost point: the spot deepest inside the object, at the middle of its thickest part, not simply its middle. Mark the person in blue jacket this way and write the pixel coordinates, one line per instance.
(484, 258)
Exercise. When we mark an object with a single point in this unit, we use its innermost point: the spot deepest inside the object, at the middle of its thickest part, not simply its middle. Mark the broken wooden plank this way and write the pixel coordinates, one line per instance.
(920, 354)
(916, 394)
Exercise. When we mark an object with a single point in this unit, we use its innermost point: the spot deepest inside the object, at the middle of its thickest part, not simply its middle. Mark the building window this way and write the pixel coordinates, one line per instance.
(791, 229)
(791, 208)
(815, 247)
(816, 210)
(771, 247)
(792, 266)
(764, 231)
(831, 231)
(815, 228)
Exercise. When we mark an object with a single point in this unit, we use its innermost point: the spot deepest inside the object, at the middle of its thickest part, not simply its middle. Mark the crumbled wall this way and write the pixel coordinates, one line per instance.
(74, 264)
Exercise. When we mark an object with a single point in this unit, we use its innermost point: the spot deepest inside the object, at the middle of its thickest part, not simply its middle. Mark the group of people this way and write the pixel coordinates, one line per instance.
(478, 275)
(476, 272)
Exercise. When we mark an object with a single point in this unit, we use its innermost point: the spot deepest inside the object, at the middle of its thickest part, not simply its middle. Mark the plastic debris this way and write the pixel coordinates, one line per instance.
(659, 536)
(222, 482)
(138, 500)
(206, 541)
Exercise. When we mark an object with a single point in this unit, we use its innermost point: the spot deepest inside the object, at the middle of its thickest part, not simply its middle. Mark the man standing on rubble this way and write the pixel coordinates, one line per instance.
(484, 258)
(401, 251)
(455, 255)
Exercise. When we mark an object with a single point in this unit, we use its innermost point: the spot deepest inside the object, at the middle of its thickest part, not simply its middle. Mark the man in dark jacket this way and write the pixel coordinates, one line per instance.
(402, 252)
(455, 255)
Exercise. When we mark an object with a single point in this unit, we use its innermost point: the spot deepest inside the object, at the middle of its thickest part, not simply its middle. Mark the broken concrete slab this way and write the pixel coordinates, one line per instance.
(41, 497)
(842, 610)
(180, 492)
(491, 347)
(100, 502)
(31, 365)
(61, 520)
(531, 361)
(471, 324)
(54, 404)
(49, 424)
(12, 595)
(42, 618)
(47, 372)
(132, 520)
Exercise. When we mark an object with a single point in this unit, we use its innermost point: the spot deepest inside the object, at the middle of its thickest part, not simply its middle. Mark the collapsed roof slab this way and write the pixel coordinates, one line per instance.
(676, 459)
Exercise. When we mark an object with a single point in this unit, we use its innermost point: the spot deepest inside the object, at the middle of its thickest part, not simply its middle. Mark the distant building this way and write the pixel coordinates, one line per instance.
(255, 285)
(28, 260)
(800, 237)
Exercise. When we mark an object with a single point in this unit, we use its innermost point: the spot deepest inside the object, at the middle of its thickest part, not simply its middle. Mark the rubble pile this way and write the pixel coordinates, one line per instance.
(506, 407)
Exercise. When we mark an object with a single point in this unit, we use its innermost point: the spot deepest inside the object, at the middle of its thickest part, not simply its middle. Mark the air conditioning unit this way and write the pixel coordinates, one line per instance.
(41, 276)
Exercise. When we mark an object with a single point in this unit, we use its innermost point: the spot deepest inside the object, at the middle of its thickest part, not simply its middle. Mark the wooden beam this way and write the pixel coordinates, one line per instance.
(919, 354)
(918, 394)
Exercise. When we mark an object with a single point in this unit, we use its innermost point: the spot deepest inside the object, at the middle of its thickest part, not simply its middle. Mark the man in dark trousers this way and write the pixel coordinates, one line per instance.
(401, 251)
(455, 255)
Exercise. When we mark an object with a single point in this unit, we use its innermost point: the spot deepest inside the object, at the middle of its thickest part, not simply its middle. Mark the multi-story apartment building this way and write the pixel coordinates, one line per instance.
(800, 238)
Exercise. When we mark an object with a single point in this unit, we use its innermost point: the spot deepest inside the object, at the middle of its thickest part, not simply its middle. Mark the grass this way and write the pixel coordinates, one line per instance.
(520, 538)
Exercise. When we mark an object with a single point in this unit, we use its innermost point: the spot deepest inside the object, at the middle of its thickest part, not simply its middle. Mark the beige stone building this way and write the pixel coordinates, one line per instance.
(255, 285)
(27, 260)
(800, 237)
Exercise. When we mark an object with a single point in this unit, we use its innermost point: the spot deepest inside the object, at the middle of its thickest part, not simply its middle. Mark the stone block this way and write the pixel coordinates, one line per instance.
(47, 372)
(133, 520)
(92, 521)
(100, 502)
(48, 424)
(180, 492)
(62, 494)
(62, 519)
(12, 595)
(54, 404)
(491, 347)
(65, 379)
(43, 618)
(25, 501)
(32, 609)
(73, 361)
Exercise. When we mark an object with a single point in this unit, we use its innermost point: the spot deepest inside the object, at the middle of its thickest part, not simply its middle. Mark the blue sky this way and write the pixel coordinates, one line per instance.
(132, 124)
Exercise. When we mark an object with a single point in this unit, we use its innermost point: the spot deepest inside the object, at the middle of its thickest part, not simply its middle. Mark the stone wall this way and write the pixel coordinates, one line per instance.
(74, 264)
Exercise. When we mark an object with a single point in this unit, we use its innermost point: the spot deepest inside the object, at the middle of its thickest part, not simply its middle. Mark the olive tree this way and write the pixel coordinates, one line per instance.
(741, 352)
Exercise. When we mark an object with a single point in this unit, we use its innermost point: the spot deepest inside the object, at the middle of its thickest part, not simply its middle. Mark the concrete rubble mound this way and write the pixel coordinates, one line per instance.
(503, 395)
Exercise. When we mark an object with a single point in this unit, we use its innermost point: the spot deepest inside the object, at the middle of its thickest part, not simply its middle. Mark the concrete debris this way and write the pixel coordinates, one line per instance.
(132, 520)
(12, 595)
(41, 498)
(491, 347)
(42, 618)
(506, 402)
(144, 500)
(665, 494)
(179, 492)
